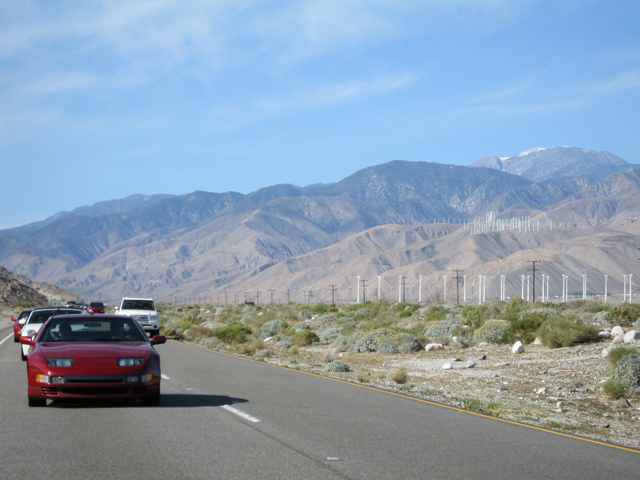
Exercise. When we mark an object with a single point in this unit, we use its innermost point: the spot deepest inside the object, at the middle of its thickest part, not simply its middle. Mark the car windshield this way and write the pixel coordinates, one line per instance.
(138, 305)
(96, 305)
(41, 316)
(114, 329)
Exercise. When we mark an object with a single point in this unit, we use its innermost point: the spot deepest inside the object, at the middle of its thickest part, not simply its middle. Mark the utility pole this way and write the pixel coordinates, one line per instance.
(533, 262)
(333, 291)
(364, 290)
(457, 277)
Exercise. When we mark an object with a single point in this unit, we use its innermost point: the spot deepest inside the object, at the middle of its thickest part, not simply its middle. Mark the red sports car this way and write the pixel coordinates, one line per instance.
(92, 356)
(19, 323)
(95, 307)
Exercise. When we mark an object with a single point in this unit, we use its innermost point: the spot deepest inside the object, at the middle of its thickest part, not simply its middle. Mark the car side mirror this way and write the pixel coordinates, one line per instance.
(27, 341)
(158, 339)
(13, 319)
(22, 321)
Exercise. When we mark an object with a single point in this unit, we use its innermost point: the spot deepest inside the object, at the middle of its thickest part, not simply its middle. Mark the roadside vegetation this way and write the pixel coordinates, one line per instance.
(283, 330)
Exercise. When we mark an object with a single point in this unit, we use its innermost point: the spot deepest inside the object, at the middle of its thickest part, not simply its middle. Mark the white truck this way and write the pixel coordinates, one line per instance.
(143, 311)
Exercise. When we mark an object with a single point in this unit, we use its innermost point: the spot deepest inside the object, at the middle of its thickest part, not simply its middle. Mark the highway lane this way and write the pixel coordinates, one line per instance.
(295, 426)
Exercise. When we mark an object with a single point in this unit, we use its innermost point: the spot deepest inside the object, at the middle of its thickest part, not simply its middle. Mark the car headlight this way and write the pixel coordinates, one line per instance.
(130, 362)
(59, 362)
(139, 378)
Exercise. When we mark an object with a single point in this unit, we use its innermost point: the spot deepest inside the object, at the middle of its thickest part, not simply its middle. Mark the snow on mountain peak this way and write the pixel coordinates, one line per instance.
(533, 150)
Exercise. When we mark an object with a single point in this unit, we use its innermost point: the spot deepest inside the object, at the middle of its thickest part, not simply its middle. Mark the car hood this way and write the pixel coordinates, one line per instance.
(93, 350)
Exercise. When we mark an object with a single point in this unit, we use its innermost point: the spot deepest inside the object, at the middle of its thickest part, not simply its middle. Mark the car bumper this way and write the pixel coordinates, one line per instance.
(88, 391)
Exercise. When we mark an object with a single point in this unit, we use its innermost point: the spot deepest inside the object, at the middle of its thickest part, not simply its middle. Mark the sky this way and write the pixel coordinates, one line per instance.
(101, 99)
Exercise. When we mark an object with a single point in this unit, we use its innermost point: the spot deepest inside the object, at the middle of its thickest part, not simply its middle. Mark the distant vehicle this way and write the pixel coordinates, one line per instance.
(95, 307)
(92, 356)
(143, 311)
(20, 321)
(36, 319)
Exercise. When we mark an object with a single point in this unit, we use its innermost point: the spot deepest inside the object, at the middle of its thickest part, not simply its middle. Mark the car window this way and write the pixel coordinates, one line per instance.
(41, 316)
(89, 330)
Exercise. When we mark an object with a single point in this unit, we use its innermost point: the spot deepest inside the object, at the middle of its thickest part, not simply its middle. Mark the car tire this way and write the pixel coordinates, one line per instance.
(153, 333)
(16, 340)
(37, 402)
(22, 355)
(152, 400)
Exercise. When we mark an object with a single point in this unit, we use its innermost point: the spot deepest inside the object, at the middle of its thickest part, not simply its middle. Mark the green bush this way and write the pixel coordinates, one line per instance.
(235, 332)
(624, 314)
(558, 332)
(615, 389)
(618, 353)
(475, 316)
(320, 308)
(527, 324)
(494, 331)
(305, 337)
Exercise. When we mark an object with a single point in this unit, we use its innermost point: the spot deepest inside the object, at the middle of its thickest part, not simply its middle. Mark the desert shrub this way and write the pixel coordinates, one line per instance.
(329, 334)
(274, 326)
(197, 332)
(305, 337)
(475, 316)
(235, 332)
(404, 313)
(299, 327)
(442, 329)
(398, 343)
(599, 307)
(327, 358)
(527, 324)
(326, 318)
(558, 332)
(618, 353)
(615, 389)
(400, 376)
(624, 314)
(628, 372)
(363, 312)
(637, 324)
(494, 331)
(169, 332)
(336, 367)
(319, 308)
(514, 307)
(370, 341)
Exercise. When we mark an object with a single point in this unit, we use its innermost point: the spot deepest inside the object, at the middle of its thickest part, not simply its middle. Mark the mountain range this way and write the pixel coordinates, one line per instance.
(409, 226)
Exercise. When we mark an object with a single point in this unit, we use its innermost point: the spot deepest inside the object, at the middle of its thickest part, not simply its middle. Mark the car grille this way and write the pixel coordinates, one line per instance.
(141, 318)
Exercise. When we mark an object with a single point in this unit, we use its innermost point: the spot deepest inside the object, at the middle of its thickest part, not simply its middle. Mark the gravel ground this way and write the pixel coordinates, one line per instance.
(551, 388)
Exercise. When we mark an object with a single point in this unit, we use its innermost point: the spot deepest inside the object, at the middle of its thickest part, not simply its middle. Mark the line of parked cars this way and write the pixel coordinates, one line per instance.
(75, 354)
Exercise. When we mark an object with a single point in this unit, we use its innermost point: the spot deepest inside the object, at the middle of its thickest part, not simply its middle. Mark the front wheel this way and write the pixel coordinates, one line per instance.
(22, 355)
(16, 340)
(37, 402)
(153, 333)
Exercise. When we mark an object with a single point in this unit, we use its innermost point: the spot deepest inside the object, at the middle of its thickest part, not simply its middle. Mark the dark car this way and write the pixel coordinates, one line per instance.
(95, 307)
(92, 356)
(20, 321)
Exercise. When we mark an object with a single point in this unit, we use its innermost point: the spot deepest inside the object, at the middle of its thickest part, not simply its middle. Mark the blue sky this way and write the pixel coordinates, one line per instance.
(103, 99)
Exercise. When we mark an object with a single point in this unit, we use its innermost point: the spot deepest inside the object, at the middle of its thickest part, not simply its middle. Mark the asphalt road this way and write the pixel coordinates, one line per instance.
(229, 418)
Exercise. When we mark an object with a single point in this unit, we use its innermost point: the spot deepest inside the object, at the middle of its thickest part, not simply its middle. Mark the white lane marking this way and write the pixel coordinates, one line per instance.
(241, 414)
(6, 338)
(164, 377)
